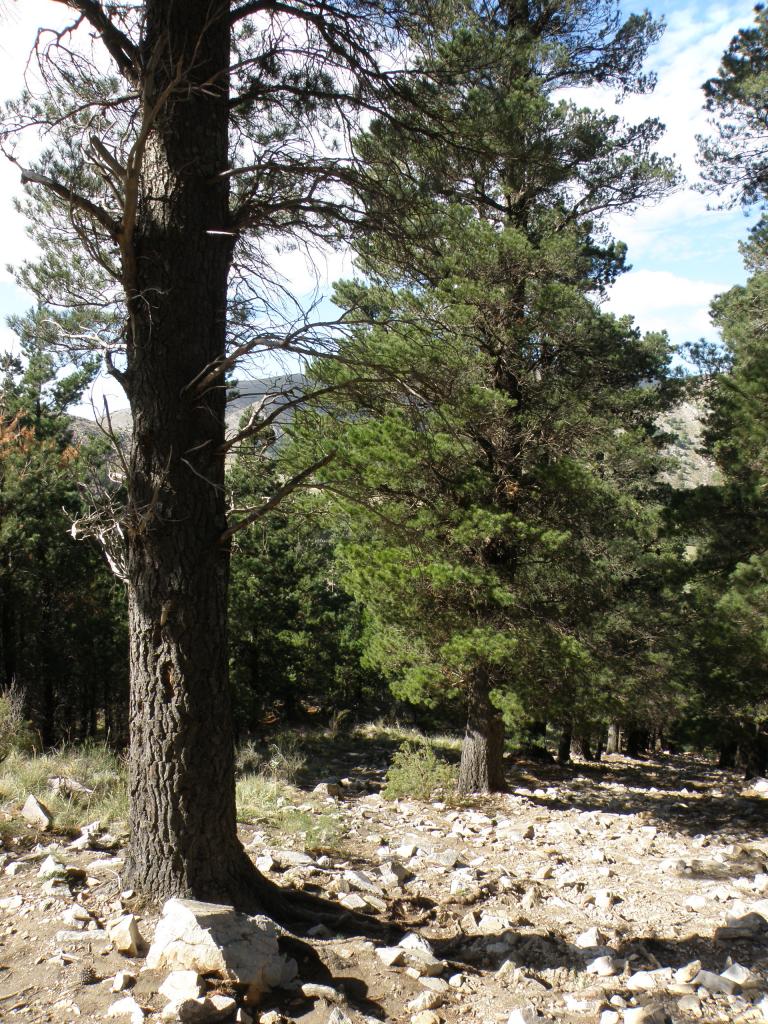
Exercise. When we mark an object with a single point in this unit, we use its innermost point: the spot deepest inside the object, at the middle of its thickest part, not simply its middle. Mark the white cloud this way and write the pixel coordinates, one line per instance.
(660, 300)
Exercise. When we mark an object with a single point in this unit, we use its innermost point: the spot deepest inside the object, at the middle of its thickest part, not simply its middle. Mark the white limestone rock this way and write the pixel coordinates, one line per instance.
(122, 981)
(36, 814)
(201, 1010)
(127, 1007)
(524, 1015)
(125, 935)
(213, 939)
(181, 985)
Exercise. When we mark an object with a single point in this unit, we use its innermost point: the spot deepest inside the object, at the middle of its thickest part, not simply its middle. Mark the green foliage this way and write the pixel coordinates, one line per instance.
(493, 481)
(295, 634)
(417, 773)
(61, 640)
(736, 156)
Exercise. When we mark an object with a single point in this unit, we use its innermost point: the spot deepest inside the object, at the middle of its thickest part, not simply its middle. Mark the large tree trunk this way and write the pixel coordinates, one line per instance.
(482, 753)
(182, 790)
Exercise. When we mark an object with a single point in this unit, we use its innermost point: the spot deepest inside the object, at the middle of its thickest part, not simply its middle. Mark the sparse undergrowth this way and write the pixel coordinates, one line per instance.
(418, 773)
(283, 810)
(92, 765)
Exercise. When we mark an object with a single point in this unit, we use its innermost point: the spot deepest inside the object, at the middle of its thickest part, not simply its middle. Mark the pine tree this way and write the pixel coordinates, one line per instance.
(489, 479)
(61, 641)
(189, 139)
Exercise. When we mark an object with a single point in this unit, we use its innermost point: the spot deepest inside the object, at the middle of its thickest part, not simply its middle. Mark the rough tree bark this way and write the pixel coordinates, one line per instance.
(183, 839)
(482, 753)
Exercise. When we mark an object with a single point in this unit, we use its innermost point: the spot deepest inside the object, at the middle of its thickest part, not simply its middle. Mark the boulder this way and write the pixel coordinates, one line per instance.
(214, 939)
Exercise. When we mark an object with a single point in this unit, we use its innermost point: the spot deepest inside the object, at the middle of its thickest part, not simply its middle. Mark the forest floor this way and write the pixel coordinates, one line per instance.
(593, 893)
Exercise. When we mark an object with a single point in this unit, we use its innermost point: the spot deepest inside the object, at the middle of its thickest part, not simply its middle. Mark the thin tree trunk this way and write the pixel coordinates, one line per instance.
(564, 747)
(482, 754)
(727, 754)
(613, 746)
(580, 746)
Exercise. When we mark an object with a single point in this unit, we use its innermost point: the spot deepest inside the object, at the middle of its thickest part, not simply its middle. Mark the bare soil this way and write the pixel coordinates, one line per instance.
(660, 856)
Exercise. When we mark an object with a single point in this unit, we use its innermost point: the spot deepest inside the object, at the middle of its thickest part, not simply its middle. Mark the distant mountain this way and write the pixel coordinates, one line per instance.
(684, 423)
(694, 468)
(242, 395)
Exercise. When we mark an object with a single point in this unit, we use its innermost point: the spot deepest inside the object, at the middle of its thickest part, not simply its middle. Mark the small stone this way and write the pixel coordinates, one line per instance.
(696, 902)
(741, 976)
(291, 859)
(393, 874)
(414, 941)
(425, 1017)
(329, 789)
(712, 982)
(125, 935)
(641, 981)
(651, 1014)
(446, 858)
(604, 899)
(36, 814)
(524, 1015)
(609, 1017)
(391, 956)
(359, 880)
(690, 1004)
(11, 902)
(127, 1007)
(685, 975)
(426, 1001)
(603, 967)
(351, 901)
(433, 984)
(590, 939)
(181, 985)
(330, 995)
(337, 1016)
(122, 981)
(52, 868)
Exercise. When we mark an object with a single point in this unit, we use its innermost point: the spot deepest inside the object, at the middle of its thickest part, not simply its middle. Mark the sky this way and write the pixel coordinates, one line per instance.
(681, 251)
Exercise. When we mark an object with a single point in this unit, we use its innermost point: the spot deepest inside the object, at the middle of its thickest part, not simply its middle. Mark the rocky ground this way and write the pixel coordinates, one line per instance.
(618, 893)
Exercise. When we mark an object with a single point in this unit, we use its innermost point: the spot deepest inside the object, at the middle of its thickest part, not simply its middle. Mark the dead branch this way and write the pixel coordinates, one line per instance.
(269, 503)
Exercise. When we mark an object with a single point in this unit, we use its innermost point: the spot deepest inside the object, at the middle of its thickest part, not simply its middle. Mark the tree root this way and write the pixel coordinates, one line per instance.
(295, 910)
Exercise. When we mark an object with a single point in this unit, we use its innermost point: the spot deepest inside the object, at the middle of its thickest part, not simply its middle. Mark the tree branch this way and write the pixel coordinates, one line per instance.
(123, 50)
(255, 425)
(73, 198)
(282, 492)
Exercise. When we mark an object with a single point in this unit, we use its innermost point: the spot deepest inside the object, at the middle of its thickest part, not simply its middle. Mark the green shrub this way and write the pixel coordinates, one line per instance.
(418, 773)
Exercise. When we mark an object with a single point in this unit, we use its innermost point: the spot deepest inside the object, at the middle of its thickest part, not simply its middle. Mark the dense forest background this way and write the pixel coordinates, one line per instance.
(526, 519)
